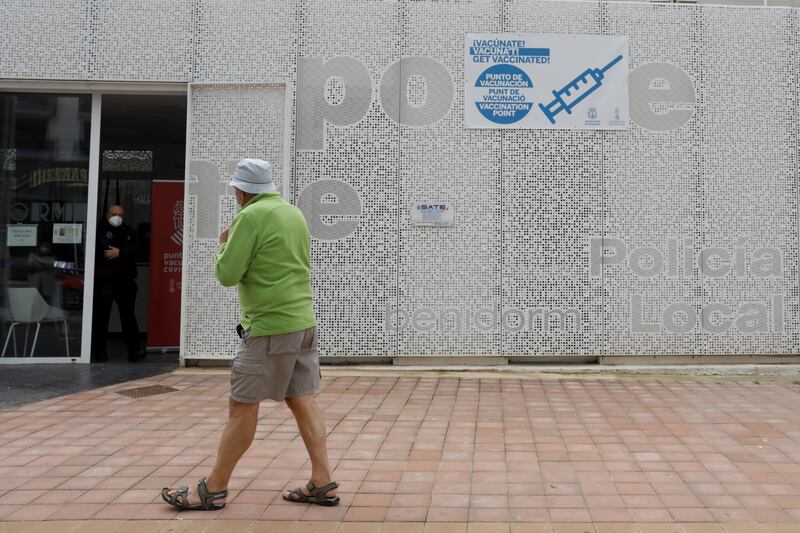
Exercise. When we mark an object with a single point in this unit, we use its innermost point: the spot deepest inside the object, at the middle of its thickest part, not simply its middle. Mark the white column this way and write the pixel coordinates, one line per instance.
(91, 229)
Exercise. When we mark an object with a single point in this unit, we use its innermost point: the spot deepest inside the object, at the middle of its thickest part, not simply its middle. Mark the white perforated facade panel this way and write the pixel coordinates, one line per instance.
(253, 41)
(749, 174)
(651, 189)
(227, 123)
(355, 273)
(694, 206)
(147, 40)
(552, 203)
(449, 277)
(45, 39)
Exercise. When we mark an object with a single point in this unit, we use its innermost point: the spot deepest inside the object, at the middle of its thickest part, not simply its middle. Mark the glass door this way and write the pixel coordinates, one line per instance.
(44, 189)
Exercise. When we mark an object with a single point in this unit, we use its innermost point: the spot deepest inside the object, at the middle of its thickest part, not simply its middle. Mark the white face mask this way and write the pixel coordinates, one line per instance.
(115, 221)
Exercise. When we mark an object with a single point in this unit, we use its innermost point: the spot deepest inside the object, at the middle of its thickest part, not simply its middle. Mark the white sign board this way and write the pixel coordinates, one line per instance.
(67, 233)
(432, 214)
(533, 80)
(21, 235)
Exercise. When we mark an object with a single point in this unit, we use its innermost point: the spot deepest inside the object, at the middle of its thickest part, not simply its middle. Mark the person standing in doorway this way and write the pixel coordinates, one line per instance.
(265, 252)
(115, 281)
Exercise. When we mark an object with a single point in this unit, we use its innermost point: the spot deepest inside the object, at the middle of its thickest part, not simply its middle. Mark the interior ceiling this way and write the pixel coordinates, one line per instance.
(136, 120)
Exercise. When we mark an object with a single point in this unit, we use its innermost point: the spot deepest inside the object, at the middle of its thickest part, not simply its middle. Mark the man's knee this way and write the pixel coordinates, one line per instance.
(236, 409)
(300, 402)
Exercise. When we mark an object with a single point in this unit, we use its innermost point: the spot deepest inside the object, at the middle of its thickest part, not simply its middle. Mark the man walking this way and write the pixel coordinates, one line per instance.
(265, 253)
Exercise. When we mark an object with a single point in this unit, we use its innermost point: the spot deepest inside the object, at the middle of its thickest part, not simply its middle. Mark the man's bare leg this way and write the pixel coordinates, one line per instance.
(236, 439)
(311, 425)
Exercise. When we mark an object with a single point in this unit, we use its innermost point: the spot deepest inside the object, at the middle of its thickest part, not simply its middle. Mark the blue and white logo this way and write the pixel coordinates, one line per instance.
(574, 92)
(505, 97)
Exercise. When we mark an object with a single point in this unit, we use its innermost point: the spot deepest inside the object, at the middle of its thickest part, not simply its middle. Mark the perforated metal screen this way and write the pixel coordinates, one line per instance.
(690, 207)
(228, 122)
(676, 236)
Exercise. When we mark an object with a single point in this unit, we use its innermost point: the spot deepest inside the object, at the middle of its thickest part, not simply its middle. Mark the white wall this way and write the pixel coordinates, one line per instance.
(528, 204)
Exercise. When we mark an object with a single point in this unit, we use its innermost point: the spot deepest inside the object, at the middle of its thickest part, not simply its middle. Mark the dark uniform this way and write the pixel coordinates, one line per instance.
(115, 282)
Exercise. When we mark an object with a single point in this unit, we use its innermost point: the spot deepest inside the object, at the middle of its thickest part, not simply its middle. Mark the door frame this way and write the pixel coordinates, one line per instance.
(96, 90)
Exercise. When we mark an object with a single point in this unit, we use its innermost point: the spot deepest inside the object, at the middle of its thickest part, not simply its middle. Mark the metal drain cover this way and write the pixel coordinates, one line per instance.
(144, 392)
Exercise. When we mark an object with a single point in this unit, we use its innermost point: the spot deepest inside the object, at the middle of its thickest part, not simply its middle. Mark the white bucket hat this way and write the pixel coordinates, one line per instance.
(253, 176)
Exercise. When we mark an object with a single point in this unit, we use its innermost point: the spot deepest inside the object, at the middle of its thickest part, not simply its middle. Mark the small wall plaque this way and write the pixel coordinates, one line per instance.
(432, 214)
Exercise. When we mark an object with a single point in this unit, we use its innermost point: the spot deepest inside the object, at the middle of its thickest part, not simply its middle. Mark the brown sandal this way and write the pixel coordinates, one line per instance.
(181, 498)
(317, 495)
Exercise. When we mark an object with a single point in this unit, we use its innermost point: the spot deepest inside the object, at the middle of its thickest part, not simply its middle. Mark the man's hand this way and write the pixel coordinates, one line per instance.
(223, 237)
(111, 253)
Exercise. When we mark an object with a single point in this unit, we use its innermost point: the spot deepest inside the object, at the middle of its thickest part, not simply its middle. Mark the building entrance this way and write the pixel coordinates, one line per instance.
(136, 303)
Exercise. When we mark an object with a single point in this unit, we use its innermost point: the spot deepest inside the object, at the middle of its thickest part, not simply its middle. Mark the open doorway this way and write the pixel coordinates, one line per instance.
(136, 307)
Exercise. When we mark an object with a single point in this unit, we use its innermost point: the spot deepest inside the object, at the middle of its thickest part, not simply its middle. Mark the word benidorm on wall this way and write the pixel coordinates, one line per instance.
(529, 80)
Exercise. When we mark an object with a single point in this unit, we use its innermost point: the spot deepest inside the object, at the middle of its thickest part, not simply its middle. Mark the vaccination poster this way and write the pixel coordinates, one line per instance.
(166, 259)
(540, 81)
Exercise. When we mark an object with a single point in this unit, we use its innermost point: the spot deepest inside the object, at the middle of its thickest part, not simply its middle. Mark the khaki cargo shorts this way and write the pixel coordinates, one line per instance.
(275, 367)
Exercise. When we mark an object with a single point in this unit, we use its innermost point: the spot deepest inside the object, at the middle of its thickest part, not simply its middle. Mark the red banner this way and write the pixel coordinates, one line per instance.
(166, 256)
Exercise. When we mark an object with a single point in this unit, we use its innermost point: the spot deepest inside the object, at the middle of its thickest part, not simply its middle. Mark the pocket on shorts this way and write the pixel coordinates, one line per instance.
(310, 340)
(250, 369)
(249, 362)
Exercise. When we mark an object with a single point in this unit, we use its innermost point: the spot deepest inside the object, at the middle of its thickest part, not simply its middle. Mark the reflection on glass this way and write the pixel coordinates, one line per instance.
(44, 169)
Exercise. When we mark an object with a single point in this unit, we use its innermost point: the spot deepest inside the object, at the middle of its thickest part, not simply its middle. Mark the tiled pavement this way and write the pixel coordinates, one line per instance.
(260, 526)
(459, 453)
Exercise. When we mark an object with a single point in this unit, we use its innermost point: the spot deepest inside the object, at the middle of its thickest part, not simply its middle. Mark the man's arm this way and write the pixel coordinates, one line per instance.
(129, 251)
(236, 251)
(101, 244)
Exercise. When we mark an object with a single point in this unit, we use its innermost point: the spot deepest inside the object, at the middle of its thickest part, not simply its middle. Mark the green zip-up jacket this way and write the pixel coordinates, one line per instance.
(267, 257)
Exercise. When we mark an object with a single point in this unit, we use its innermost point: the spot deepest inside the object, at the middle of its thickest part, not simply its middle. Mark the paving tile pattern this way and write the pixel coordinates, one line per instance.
(418, 449)
(282, 526)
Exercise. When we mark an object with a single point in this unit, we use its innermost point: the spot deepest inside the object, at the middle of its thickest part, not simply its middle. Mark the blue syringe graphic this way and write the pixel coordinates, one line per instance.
(576, 91)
